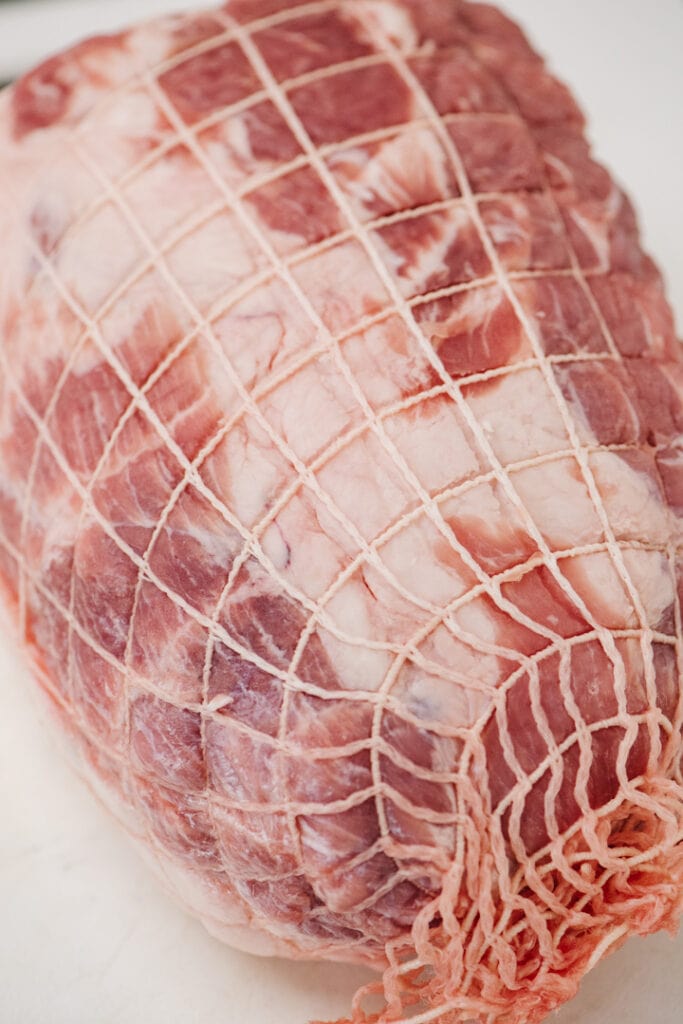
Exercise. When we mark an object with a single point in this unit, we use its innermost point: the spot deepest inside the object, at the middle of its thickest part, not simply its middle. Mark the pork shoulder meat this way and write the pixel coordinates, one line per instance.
(341, 483)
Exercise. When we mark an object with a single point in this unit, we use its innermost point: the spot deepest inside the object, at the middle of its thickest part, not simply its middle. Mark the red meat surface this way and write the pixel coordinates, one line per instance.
(341, 484)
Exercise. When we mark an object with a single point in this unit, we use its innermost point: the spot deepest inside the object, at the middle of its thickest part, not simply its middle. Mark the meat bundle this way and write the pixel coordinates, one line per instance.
(341, 484)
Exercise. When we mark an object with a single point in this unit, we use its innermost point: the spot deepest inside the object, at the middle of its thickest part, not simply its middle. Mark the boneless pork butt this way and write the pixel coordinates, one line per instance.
(341, 484)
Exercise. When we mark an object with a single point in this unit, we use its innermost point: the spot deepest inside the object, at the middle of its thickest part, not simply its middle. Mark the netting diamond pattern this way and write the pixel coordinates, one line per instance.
(340, 448)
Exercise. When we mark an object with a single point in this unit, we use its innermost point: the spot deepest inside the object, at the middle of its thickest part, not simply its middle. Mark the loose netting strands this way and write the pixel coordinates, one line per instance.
(501, 920)
(509, 945)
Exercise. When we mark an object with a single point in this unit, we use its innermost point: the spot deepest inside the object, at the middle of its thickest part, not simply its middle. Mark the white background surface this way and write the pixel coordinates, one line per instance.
(86, 936)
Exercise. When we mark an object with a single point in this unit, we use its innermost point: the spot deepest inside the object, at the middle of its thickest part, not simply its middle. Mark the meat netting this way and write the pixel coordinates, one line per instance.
(293, 777)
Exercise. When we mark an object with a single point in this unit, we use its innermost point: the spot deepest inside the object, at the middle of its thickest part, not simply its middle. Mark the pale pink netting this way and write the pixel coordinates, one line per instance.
(340, 501)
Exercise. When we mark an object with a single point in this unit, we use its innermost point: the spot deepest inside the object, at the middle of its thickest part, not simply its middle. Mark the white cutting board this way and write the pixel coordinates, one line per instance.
(86, 936)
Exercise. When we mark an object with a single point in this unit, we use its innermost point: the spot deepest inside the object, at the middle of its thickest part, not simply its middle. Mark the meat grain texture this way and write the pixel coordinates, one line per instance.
(341, 484)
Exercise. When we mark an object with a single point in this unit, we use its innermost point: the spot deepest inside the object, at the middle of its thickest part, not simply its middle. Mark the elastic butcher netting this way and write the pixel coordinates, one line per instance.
(511, 944)
(355, 256)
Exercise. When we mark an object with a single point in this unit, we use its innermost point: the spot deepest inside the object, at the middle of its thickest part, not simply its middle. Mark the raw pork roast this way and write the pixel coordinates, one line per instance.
(341, 485)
